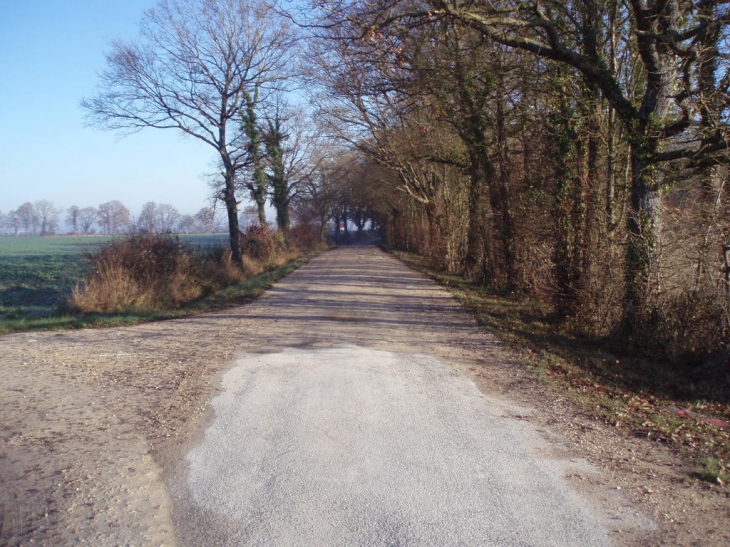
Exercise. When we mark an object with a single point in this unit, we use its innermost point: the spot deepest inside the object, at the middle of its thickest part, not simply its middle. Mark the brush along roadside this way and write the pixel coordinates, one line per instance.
(150, 277)
(685, 408)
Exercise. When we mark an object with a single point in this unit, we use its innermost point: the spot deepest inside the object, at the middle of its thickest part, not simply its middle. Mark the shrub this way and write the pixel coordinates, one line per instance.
(259, 242)
(692, 327)
(218, 269)
(140, 272)
(153, 272)
(301, 237)
(147, 272)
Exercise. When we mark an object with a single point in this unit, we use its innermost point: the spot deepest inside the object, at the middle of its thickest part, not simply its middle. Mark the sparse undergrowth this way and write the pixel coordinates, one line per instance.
(155, 277)
(683, 407)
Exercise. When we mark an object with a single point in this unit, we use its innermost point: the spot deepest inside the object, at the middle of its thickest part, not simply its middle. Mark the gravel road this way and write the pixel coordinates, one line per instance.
(355, 403)
(352, 426)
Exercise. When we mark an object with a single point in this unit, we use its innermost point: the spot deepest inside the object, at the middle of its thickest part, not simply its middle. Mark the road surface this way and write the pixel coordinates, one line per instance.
(347, 420)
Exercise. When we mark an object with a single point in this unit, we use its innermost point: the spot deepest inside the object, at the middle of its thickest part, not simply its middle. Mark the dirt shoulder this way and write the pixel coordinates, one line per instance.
(94, 421)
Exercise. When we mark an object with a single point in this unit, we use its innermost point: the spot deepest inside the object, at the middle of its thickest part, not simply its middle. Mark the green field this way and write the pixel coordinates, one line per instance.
(38, 273)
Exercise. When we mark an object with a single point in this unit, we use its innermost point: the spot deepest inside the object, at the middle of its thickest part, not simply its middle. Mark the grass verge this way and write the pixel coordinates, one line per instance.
(685, 408)
(234, 295)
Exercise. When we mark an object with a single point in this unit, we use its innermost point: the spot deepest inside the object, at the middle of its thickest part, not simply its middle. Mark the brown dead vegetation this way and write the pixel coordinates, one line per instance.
(155, 272)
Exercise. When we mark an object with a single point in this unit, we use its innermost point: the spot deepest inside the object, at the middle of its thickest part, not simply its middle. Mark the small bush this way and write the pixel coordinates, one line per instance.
(134, 273)
(218, 269)
(259, 242)
(301, 237)
(148, 272)
(692, 327)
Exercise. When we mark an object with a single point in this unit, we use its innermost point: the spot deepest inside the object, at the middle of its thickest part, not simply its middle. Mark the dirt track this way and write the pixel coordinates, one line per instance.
(96, 423)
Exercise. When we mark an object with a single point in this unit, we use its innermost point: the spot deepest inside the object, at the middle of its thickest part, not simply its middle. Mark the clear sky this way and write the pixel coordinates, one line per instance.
(50, 54)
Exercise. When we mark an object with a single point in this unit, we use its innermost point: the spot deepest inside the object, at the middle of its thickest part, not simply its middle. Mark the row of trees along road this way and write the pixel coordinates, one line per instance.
(571, 150)
(203, 67)
(574, 151)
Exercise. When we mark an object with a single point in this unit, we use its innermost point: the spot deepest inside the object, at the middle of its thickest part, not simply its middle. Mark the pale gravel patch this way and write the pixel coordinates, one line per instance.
(355, 446)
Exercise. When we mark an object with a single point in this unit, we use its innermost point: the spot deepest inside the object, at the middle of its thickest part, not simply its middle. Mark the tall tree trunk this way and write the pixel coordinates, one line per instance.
(643, 227)
(712, 190)
(274, 139)
(234, 236)
(257, 186)
(564, 198)
(503, 200)
(711, 103)
(475, 263)
(259, 196)
(323, 228)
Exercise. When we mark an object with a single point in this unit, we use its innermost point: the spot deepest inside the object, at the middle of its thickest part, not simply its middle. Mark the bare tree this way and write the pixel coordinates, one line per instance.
(249, 216)
(113, 217)
(321, 193)
(72, 219)
(27, 218)
(47, 216)
(205, 220)
(12, 223)
(197, 65)
(167, 217)
(87, 217)
(147, 219)
(186, 224)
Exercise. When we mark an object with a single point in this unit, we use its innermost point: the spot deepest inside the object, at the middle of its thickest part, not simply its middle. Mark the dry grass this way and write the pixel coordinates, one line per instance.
(141, 272)
(149, 273)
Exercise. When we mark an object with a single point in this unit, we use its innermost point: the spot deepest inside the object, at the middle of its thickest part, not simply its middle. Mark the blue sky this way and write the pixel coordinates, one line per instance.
(50, 54)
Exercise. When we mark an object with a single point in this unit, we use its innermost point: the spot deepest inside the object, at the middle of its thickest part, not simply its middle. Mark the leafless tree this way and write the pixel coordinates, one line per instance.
(72, 219)
(186, 224)
(47, 216)
(167, 217)
(196, 66)
(205, 220)
(249, 216)
(147, 219)
(12, 223)
(87, 217)
(27, 218)
(113, 217)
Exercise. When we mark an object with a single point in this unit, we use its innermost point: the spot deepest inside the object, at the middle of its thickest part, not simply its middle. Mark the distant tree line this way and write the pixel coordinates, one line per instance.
(112, 217)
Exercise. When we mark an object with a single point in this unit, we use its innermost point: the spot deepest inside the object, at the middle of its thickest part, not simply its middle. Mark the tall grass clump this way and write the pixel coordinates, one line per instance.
(158, 272)
(265, 249)
(151, 272)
